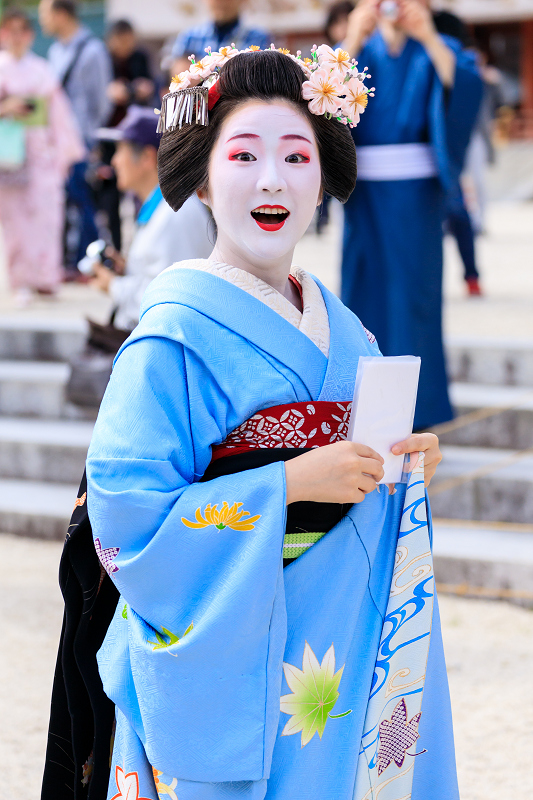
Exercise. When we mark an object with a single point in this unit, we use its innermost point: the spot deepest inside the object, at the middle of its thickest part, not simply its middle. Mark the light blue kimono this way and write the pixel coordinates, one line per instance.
(194, 656)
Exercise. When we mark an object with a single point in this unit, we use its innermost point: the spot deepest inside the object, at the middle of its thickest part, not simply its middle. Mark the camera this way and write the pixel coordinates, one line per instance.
(95, 254)
(389, 9)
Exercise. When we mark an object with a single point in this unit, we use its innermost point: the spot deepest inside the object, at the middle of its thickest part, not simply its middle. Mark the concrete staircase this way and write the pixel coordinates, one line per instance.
(43, 439)
(482, 496)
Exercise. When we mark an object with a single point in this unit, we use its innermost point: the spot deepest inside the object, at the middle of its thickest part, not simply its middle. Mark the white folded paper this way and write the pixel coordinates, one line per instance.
(384, 407)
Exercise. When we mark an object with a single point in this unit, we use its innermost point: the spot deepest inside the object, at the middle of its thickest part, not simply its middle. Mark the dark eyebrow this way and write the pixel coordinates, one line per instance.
(255, 136)
(244, 136)
(296, 136)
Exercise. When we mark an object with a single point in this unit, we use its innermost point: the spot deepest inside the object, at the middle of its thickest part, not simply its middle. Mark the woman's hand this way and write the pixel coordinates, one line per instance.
(415, 20)
(13, 107)
(344, 472)
(361, 24)
(102, 278)
(428, 443)
(118, 92)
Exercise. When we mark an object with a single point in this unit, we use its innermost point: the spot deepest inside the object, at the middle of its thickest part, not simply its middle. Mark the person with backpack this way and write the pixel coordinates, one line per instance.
(83, 67)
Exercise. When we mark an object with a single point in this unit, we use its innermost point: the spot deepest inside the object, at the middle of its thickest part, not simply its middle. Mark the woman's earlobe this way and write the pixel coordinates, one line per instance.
(202, 195)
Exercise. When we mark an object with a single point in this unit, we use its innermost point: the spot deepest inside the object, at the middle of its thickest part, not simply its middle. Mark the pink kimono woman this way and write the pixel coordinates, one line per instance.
(32, 203)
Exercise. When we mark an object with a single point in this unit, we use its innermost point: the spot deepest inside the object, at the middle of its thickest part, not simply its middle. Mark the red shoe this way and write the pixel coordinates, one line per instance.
(47, 292)
(473, 287)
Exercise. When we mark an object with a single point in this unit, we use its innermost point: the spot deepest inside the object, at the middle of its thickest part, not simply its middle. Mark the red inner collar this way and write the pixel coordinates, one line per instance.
(299, 287)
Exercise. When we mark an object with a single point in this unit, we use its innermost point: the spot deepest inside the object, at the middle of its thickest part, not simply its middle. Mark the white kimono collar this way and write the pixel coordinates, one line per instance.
(313, 322)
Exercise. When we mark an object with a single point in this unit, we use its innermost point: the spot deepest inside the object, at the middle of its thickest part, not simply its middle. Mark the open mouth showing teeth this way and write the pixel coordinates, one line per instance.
(270, 217)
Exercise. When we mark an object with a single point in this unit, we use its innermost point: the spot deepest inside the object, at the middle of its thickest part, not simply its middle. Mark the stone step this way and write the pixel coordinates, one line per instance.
(36, 509)
(484, 560)
(54, 449)
(470, 359)
(478, 483)
(43, 450)
(470, 559)
(41, 339)
(497, 361)
(37, 388)
(490, 416)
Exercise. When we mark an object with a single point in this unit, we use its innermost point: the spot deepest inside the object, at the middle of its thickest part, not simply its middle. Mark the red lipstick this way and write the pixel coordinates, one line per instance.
(270, 218)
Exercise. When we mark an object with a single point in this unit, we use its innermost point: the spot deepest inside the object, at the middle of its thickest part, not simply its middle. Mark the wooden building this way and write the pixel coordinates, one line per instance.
(503, 30)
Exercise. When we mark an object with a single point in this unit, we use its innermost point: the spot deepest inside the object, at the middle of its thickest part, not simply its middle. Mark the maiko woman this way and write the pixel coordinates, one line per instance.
(276, 634)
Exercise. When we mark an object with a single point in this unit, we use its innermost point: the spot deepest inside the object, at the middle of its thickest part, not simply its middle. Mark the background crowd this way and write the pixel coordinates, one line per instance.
(77, 133)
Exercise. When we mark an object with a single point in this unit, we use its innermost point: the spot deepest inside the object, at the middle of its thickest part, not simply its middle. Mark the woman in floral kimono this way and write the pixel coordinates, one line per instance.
(31, 197)
(272, 634)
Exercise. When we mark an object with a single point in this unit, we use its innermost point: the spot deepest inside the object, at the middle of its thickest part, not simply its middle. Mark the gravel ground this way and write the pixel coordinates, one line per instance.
(489, 649)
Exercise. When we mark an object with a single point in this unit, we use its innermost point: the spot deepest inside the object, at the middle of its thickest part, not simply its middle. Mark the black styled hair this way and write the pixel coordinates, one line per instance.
(69, 7)
(337, 11)
(183, 159)
(16, 14)
(120, 27)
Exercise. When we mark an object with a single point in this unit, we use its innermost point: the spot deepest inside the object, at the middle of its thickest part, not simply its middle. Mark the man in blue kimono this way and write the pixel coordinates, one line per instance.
(411, 143)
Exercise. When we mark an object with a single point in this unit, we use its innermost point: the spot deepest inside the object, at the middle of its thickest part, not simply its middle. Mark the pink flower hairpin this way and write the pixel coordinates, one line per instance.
(334, 87)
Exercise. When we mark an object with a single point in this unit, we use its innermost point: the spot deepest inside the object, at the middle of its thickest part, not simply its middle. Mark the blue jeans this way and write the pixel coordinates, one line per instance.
(79, 194)
(460, 227)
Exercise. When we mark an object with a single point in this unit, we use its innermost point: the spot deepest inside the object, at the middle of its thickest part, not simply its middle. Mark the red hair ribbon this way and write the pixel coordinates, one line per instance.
(213, 96)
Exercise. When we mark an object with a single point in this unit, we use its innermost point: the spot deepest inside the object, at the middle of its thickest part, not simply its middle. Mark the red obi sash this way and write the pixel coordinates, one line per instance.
(308, 424)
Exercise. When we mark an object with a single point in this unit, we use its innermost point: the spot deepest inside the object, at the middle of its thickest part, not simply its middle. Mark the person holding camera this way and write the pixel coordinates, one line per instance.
(39, 141)
(162, 236)
(411, 143)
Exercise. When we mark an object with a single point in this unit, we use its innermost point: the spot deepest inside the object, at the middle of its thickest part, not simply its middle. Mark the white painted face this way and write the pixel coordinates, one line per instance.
(264, 181)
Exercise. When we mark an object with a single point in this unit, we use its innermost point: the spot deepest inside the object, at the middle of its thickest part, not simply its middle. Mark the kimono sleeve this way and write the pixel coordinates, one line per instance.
(193, 656)
(68, 145)
(453, 114)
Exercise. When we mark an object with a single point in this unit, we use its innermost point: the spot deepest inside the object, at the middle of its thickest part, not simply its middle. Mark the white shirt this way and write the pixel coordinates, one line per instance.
(167, 237)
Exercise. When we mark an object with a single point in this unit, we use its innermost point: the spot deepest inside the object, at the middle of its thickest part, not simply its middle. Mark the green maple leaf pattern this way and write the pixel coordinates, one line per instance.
(314, 694)
(162, 643)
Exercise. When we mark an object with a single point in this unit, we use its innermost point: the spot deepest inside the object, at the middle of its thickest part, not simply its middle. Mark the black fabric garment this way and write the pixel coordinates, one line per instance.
(81, 716)
(134, 66)
(128, 70)
(106, 190)
(304, 517)
(451, 25)
(223, 30)
(108, 194)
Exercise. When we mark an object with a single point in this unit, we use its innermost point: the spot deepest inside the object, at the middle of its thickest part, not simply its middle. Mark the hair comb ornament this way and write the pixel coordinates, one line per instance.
(334, 87)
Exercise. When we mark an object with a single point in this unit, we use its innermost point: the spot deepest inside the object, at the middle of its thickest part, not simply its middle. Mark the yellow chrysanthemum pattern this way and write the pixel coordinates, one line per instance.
(228, 517)
(164, 789)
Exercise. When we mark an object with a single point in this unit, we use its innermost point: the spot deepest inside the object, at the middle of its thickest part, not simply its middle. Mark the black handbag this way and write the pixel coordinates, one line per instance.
(91, 370)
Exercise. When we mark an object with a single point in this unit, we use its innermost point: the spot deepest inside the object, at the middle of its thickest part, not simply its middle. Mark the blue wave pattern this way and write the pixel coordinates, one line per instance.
(386, 763)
